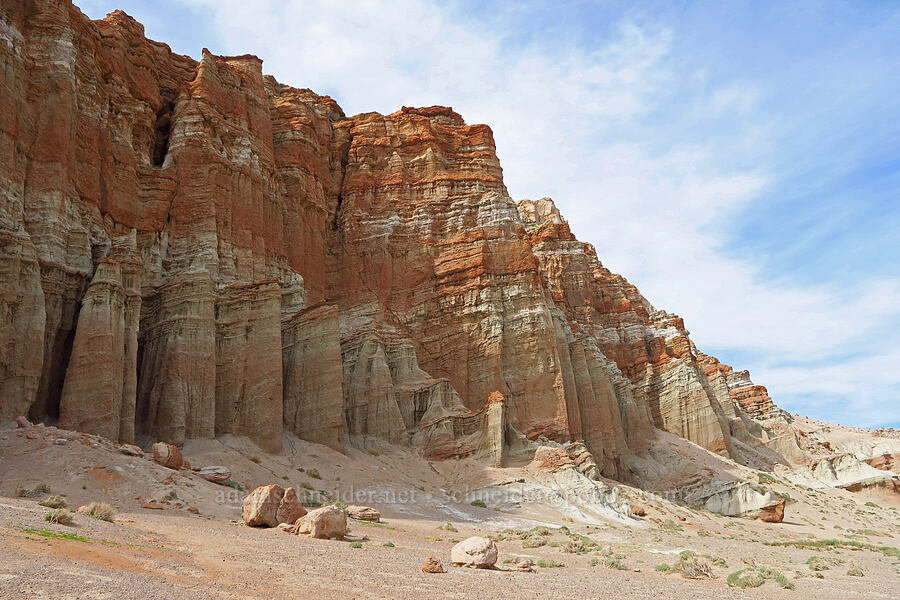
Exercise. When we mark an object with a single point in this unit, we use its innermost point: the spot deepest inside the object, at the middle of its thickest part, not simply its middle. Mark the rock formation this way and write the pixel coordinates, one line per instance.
(190, 249)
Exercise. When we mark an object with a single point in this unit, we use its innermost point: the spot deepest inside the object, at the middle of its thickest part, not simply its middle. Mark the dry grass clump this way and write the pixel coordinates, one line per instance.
(59, 516)
(753, 577)
(41, 488)
(100, 510)
(692, 567)
(54, 502)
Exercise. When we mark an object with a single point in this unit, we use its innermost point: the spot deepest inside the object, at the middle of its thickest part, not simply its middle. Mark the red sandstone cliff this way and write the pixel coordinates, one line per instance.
(191, 249)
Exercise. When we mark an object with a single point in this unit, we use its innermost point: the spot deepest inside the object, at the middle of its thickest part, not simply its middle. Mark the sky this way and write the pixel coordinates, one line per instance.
(738, 161)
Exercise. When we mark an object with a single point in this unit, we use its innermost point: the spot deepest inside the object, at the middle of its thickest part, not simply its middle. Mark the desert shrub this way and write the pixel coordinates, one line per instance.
(60, 516)
(256, 458)
(234, 484)
(307, 485)
(549, 563)
(478, 503)
(314, 473)
(833, 543)
(670, 525)
(54, 502)
(753, 577)
(692, 567)
(22, 492)
(448, 527)
(662, 568)
(356, 544)
(615, 562)
(101, 511)
(766, 478)
(704, 533)
(855, 572)
(822, 563)
(389, 545)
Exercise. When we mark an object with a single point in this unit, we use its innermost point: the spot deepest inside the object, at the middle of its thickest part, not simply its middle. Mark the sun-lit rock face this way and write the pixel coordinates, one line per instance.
(190, 249)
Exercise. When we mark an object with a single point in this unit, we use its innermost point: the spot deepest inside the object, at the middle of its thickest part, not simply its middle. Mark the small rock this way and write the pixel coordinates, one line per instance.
(167, 455)
(636, 570)
(216, 474)
(32, 435)
(131, 450)
(364, 513)
(432, 565)
(288, 527)
(524, 566)
(477, 552)
(326, 522)
(22, 422)
(60, 441)
(152, 506)
(638, 511)
(193, 510)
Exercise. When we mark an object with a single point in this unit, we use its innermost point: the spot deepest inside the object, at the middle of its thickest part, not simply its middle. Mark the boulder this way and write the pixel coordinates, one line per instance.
(772, 513)
(364, 513)
(216, 474)
(260, 507)
(167, 455)
(289, 509)
(22, 422)
(475, 552)
(432, 565)
(328, 522)
(638, 511)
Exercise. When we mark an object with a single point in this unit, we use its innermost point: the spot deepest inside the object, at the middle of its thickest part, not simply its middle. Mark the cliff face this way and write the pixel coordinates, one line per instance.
(191, 249)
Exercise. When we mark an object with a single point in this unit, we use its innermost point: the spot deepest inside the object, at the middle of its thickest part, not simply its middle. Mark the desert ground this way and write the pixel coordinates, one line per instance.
(170, 552)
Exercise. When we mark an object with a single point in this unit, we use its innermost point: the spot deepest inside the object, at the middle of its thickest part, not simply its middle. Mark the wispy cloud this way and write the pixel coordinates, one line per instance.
(696, 168)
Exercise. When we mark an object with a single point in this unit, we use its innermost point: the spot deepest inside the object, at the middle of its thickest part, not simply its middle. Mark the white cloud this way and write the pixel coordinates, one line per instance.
(574, 124)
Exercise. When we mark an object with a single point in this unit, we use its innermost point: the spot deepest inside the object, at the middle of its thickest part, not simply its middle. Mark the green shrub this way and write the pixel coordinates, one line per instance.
(855, 572)
(822, 563)
(478, 503)
(753, 577)
(314, 473)
(448, 527)
(389, 545)
(662, 568)
(234, 484)
(692, 567)
(54, 502)
(766, 478)
(60, 516)
(356, 544)
(549, 563)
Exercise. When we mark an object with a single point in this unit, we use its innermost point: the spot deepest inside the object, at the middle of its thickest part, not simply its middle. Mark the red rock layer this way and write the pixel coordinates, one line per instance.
(287, 267)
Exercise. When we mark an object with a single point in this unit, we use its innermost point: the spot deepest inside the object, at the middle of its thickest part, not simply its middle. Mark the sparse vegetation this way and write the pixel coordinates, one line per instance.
(662, 568)
(672, 526)
(59, 516)
(766, 478)
(704, 533)
(478, 503)
(691, 566)
(615, 562)
(549, 563)
(101, 511)
(356, 544)
(833, 543)
(41, 488)
(753, 577)
(56, 535)
(256, 458)
(855, 572)
(389, 545)
(314, 473)
(448, 527)
(234, 484)
(822, 563)
(54, 502)
(307, 485)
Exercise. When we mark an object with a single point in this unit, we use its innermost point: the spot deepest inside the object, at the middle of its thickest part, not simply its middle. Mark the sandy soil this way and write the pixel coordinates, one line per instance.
(172, 553)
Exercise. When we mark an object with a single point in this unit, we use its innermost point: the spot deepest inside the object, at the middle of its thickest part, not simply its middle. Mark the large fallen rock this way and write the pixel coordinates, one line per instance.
(290, 509)
(260, 507)
(475, 552)
(773, 513)
(364, 513)
(167, 455)
(216, 474)
(328, 522)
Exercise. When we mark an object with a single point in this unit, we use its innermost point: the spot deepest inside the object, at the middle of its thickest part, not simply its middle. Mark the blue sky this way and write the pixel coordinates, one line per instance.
(738, 161)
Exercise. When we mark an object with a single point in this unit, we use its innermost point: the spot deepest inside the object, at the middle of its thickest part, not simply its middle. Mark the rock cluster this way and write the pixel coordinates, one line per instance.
(269, 505)
(189, 248)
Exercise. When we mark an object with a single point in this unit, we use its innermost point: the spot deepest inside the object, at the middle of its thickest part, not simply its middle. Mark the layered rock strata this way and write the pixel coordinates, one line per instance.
(191, 249)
